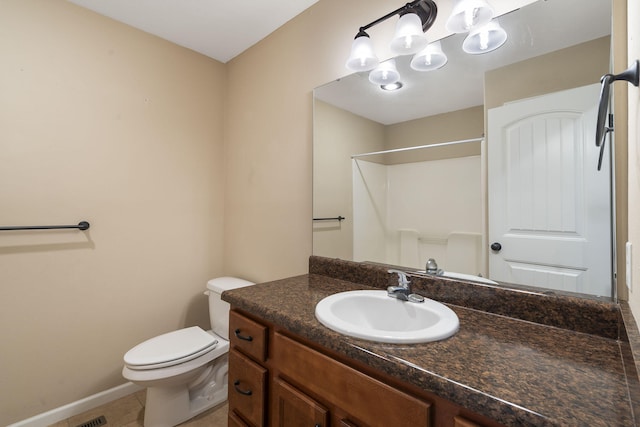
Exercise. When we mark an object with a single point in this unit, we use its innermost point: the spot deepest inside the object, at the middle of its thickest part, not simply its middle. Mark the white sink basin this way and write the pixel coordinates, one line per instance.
(374, 316)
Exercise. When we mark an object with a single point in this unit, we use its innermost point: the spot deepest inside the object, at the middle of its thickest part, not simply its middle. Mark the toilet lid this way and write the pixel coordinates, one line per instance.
(170, 348)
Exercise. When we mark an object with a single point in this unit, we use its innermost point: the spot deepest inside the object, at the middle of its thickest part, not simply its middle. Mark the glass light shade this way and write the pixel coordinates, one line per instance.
(409, 37)
(485, 39)
(385, 73)
(469, 14)
(430, 58)
(362, 57)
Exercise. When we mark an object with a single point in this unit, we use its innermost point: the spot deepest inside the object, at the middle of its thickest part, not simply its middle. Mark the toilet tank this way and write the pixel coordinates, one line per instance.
(218, 309)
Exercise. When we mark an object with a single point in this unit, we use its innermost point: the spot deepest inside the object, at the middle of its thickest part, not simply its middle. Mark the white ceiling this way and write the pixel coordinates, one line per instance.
(220, 29)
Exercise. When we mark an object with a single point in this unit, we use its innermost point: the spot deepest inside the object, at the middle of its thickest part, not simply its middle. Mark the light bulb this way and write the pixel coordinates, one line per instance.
(469, 14)
(362, 56)
(485, 39)
(385, 73)
(430, 58)
(409, 37)
(470, 17)
(391, 86)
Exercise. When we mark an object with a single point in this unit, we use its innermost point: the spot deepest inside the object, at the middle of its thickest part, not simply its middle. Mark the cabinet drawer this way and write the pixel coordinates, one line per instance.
(248, 336)
(368, 400)
(247, 388)
(294, 408)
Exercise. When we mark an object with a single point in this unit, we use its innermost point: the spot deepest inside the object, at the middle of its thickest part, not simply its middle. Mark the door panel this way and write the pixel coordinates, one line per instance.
(549, 208)
(294, 408)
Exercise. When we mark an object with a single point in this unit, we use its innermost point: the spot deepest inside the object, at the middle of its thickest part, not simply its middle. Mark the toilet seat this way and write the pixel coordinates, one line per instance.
(170, 349)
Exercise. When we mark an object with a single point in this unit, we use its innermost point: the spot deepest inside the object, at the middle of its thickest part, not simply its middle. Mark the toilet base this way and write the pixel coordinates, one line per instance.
(170, 406)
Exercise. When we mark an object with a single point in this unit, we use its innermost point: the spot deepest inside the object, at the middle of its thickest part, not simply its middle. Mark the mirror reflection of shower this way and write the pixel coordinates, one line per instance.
(416, 203)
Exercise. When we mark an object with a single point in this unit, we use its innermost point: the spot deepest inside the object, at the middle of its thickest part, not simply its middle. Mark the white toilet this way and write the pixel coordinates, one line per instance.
(185, 371)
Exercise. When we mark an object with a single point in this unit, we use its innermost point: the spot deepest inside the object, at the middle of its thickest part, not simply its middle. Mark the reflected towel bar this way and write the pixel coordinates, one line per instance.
(82, 225)
(337, 218)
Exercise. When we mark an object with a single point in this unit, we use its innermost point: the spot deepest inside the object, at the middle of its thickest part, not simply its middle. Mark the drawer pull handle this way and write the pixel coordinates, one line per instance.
(243, 337)
(241, 391)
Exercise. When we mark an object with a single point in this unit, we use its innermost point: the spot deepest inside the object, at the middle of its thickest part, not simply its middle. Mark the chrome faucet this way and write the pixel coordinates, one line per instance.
(432, 268)
(403, 290)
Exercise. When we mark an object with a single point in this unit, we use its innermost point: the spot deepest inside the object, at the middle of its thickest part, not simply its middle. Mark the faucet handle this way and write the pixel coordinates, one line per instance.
(402, 277)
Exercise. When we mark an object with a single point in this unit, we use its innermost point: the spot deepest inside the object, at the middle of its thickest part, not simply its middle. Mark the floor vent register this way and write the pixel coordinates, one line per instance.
(96, 422)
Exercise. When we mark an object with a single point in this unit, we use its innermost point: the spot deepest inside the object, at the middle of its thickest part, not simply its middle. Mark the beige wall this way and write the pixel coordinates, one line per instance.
(446, 127)
(578, 65)
(102, 123)
(268, 203)
(338, 134)
(269, 130)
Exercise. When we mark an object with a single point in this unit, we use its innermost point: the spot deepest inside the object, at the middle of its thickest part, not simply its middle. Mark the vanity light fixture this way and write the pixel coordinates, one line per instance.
(485, 39)
(416, 17)
(469, 14)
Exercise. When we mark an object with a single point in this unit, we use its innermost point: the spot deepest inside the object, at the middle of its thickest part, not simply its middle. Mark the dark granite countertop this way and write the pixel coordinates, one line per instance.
(517, 372)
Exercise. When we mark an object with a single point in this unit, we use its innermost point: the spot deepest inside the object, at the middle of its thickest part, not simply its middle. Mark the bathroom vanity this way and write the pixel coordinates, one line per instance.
(519, 358)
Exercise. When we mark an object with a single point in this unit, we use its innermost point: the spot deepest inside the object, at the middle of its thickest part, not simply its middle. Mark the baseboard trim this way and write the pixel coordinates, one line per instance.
(78, 407)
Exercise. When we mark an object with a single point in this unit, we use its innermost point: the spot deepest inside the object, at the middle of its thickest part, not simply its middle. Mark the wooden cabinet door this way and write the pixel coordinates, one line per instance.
(463, 422)
(247, 388)
(235, 421)
(293, 408)
(342, 418)
(367, 401)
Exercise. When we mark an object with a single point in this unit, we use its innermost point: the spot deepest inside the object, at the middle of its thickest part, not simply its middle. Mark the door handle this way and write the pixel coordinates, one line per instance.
(496, 247)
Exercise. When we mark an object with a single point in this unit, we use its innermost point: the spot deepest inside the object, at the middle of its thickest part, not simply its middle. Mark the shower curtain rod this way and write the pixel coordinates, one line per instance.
(398, 150)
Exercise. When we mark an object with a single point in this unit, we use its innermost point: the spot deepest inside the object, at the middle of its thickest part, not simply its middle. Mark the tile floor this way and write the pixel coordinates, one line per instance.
(129, 411)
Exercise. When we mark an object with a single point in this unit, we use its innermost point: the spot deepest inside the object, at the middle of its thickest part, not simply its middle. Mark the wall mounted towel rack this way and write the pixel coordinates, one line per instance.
(82, 225)
(337, 218)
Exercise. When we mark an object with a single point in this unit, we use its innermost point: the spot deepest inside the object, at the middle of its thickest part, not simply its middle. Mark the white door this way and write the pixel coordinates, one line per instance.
(549, 208)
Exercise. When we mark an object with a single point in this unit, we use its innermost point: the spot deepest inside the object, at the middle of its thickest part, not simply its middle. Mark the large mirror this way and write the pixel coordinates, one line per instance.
(486, 165)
